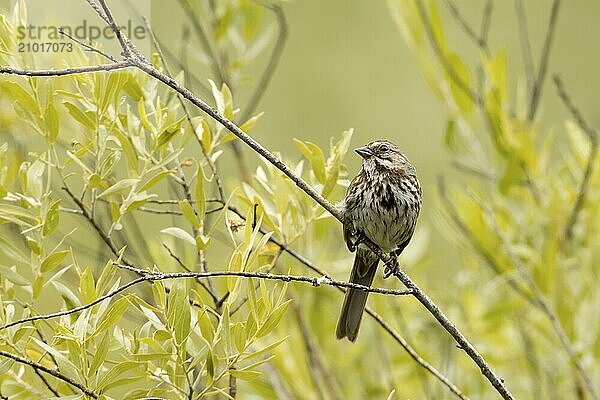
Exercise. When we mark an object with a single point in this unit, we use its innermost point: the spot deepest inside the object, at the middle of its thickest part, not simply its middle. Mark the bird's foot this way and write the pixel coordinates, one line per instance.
(391, 266)
(357, 238)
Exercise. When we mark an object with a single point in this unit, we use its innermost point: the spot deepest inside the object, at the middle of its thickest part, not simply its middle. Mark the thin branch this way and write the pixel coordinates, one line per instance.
(543, 303)
(486, 22)
(85, 213)
(176, 202)
(449, 326)
(463, 22)
(87, 46)
(204, 41)
(147, 276)
(273, 61)
(592, 134)
(543, 65)
(462, 85)
(188, 116)
(54, 373)
(525, 44)
(187, 269)
(65, 71)
(414, 355)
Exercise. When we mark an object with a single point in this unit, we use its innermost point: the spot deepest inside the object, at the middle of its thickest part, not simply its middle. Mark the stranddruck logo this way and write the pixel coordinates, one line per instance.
(42, 32)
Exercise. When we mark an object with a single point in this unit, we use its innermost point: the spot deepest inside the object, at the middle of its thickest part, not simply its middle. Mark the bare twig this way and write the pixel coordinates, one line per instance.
(65, 71)
(54, 373)
(463, 22)
(146, 276)
(267, 74)
(204, 41)
(592, 135)
(87, 46)
(485, 23)
(525, 44)
(187, 269)
(543, 65)
(176, 202)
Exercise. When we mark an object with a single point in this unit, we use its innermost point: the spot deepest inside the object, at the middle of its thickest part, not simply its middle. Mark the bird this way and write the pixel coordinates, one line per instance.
(382, 204)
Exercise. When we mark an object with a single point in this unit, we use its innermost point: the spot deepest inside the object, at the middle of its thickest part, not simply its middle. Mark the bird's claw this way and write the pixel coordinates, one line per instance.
(359, 237)
(391, 266)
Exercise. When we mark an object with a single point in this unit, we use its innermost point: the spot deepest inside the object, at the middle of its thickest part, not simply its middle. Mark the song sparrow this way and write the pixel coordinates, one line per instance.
(382, 203)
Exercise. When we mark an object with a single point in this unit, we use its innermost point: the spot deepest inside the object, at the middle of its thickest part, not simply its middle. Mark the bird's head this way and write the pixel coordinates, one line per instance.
(384, 154)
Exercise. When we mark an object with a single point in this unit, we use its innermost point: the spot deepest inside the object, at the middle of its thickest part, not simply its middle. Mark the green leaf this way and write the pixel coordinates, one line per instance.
(51, 119)
(87, 287)
(450, 135)
(11, 252)
(128, 148)
(273, 319)
(80, 116)
(315, 156)
(168, 134)
(334, 162)
(202, 242)
(179, 234)
(459, 81)
(155, 179)
(51, 219)
(100, 354)
(219, 99)
(67, 294)
(178, 311)
(207, 329)
(496, 73)
(210, 366)
(65, 365)
(199, 194)
(112, 374)
(513, 175)
(113, 315)
(22, 97)
(114, 84)
(437, 27)
(53, 260)
(251, 123)
(188, 212)
(35, 183)
(12, 275)
(264, 350)
(205, 135)
(120, 186)
(244, 374)
(228, 99)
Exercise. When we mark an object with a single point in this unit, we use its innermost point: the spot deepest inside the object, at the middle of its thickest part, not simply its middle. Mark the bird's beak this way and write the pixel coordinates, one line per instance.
(363, 151)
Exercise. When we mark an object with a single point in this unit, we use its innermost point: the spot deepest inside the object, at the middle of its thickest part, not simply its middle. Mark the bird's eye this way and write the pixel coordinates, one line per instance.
(383, 148)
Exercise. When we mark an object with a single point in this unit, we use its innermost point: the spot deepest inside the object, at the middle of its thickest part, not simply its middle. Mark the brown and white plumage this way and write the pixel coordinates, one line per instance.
(382, 203)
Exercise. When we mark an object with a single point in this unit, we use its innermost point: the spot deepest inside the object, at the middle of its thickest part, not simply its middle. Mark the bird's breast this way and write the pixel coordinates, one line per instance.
(383, 210)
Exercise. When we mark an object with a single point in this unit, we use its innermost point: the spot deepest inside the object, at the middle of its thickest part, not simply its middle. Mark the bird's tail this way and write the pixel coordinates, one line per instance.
(363, 272)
